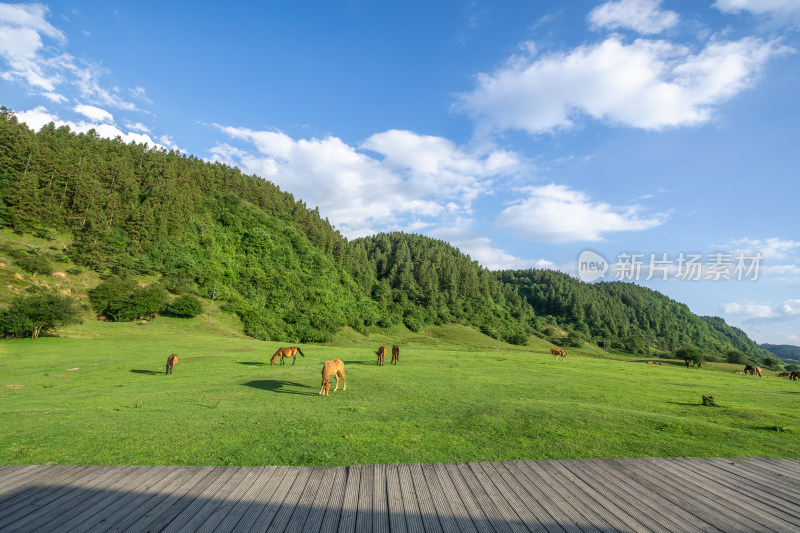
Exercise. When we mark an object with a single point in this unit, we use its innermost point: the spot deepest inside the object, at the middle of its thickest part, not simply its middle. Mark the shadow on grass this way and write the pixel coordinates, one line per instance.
(370, 362)
(282, 387)
(251, 363)
(147, 372)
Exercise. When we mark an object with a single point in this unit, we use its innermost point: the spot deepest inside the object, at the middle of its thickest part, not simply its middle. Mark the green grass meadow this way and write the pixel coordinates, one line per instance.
(97, 394)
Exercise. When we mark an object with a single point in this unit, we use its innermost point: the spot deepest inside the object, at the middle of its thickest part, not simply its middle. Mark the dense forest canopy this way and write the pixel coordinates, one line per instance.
(204, 228)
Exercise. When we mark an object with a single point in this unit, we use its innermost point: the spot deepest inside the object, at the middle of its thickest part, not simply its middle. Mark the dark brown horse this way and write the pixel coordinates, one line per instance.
(395, 354)
(286, 352)
(381, 354)
(171, 360)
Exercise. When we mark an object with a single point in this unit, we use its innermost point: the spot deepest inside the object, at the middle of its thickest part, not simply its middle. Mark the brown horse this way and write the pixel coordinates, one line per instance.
(332, 368)
(794, 376)
(555, 351)
(101, 318)
(171, 360)
(758, 371)
(395, 354)
(381, 354)
(286, 352)
(653, 363)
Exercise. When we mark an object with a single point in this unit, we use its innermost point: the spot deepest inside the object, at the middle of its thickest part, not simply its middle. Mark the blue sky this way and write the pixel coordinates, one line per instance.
(521, 132)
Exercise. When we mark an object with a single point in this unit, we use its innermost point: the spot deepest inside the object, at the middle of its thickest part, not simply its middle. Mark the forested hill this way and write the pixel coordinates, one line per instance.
(786, 352)
(624, 315)
(200, 228)
(197, 226)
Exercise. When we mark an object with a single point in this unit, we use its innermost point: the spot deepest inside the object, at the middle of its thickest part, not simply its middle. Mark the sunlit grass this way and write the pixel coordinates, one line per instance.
(98, 395)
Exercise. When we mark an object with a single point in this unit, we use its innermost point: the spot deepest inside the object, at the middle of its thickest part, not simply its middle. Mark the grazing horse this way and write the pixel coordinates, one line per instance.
(784, 374)
(653, 363)
(381, 354)
(101, 318)
(286, 352)
(332, 368)
(395, 354)
(555, 351)
(563, 354)
(758, 371)
(171, 360)
(794, 376)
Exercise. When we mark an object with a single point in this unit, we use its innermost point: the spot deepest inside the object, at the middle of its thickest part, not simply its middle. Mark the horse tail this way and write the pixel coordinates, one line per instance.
(300, 351)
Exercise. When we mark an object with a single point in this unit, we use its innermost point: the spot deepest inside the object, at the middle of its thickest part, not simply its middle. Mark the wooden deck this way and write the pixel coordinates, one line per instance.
(748, 495)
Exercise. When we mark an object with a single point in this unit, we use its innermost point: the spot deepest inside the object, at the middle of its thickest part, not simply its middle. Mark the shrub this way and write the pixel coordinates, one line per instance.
(31, 316)
(690, 353)
(186, 306)
(736, 357)
(122, 298)
(34, 264)
(518, 338)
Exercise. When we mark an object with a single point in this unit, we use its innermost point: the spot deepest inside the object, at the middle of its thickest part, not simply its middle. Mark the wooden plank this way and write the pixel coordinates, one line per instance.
(491, 515)
(752, 486)
(333, 511)
(582, 486)
(564, 502)
(177, 502)
(323, 487)
(410, 503)
(364, 503)
(157, 492)
(380, 508)
(239, 501)
(124, 481)
(290, 501)
(427, 511)
(41, 482)
(441, 507)
(14, 477)
(274, 482)
(347, 518)
(774, 473)
(640, 498)
(507, 514)
(732, 498)
(534, 517)
(211, 506)
(306, 501)
(655, 478)
(451, 495)
(469, 501)
(53, 501)
(394, 497)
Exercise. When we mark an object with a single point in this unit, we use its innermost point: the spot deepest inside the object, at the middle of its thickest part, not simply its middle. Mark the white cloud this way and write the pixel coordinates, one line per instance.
(643, 16)
(791, 307)
(776, 8)
(649, 84)
(772, 249)
(557, 214)
(749, 310)
(39, 116)
(137, 126)
(413, 179)
(42, 67)
(463, 236)
(95, 113)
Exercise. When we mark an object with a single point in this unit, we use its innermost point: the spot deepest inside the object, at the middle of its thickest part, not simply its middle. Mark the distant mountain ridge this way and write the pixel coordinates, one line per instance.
(786, 352)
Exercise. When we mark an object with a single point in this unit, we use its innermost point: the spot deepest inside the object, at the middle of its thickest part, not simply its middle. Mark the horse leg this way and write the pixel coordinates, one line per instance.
(345, 380)
(294, 359)
(337, 382)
